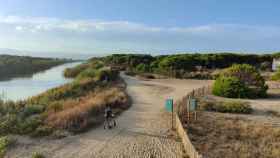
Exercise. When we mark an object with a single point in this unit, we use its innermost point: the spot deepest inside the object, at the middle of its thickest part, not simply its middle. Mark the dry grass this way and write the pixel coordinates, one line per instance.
(76, 114)
(217, 135)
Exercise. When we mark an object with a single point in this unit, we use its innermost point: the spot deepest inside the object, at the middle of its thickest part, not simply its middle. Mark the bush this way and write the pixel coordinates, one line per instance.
(230, 87)
(29, 124)
(42, 131)
(240, 81)
(107, 74)
(276, 75)
(5, 142)
(33, 109)
(77, 114)
(227, 107)
(142, 68)
(130, 73)
(37, 155)
(88, 73)
(8, 124)
(74, 72)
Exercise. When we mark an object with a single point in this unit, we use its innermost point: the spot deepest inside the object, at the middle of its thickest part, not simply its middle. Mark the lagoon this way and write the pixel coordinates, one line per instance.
(23, 88)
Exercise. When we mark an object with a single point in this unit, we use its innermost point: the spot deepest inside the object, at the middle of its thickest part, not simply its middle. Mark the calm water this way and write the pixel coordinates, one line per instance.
(22, 88)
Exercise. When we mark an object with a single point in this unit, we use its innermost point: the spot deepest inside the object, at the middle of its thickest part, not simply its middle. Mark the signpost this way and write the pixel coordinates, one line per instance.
(192, 107)
(169, 107)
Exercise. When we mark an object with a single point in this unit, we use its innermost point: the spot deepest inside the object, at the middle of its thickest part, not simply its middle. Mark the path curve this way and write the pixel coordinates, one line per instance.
(142, 130)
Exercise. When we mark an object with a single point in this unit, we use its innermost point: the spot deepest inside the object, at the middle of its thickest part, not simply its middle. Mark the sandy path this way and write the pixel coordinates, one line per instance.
(141, 131)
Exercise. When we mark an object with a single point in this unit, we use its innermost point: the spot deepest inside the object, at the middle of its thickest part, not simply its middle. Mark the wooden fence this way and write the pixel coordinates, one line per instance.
(180, 111)
(181, 106)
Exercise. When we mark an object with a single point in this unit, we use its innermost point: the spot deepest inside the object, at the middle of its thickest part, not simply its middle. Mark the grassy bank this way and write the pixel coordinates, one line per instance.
(22, 66)
(73, 107)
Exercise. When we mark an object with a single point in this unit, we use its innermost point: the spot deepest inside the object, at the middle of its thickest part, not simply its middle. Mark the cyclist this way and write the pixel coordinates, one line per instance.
(108, 113)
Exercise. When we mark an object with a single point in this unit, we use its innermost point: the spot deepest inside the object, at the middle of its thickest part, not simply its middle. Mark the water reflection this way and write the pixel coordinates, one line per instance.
(22, 88)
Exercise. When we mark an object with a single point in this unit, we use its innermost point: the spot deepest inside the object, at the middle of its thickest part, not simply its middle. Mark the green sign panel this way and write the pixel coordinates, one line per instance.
(169, 105)
(192, 105)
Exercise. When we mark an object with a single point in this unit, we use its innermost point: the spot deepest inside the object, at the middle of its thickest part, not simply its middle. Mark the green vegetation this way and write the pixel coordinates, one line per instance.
(276, 75)
(240, 81)
(230, 87)
(227, 106)
(37, 155)
(185, 65)
(5, 142)
(73, 107)
(20, 66)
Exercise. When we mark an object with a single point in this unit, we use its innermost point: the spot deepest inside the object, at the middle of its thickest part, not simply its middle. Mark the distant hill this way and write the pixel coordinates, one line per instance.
(74, 56)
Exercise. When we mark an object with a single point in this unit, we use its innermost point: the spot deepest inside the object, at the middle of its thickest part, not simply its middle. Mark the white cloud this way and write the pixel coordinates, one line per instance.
(91, 35)
(19, 28)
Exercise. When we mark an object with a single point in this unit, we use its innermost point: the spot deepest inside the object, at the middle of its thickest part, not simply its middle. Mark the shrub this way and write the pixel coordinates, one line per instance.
(230, 87)
(29, 124)
(240, 81)
(276, 75)
(8, 124)
(74, 72)
(130, 73)
(33, 109)
(5, 142)
(266, 66)
(37, 155)
(107, 74)
(142, 68)
(88, 73)
(42, 131)
(76, 114)
(227, 107)
(55, 106)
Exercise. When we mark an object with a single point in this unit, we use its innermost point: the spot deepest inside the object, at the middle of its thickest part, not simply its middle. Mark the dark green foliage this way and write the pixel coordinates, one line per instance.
(230, 87)
(33, 109)
(240, 81)
(28, 125)
(142, 68)
(5, 142)
(74, 72)
(42, 131)
(266, 66)
(23, 120)
(37, 155)
(227, 107)
(276, 75)
(179, 65)
(77, 70)
(18, 66)
(8, 124)
(128, 60)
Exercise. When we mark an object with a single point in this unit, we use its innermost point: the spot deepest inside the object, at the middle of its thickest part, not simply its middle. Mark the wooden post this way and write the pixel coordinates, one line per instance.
(172, 126)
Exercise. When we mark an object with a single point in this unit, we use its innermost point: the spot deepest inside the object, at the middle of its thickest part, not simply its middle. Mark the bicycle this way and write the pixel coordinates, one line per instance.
(110, 122)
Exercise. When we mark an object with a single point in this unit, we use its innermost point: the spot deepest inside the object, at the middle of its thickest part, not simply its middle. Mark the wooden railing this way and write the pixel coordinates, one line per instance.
(182, 104)
(180, 111)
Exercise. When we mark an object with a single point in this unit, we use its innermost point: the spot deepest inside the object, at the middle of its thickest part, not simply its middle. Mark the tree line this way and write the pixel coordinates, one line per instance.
(179, 64)
(24, 66)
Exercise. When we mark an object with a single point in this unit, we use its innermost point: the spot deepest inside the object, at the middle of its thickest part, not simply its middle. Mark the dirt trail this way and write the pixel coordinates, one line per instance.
(141, 131)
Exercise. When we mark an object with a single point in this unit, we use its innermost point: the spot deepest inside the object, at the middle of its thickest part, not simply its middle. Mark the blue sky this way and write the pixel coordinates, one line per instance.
(158, 26)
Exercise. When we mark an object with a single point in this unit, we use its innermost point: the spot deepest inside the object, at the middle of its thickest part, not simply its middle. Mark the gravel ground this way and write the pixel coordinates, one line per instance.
(142, 131)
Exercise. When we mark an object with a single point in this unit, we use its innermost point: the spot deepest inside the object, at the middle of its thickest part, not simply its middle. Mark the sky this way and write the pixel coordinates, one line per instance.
(146, 26)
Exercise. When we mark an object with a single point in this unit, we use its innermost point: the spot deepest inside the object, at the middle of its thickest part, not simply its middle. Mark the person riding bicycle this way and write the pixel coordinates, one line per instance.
(108, 112)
